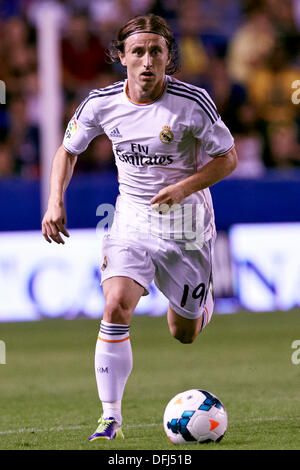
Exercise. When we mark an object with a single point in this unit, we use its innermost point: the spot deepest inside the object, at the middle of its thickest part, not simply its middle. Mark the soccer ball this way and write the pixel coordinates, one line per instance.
(195, 416)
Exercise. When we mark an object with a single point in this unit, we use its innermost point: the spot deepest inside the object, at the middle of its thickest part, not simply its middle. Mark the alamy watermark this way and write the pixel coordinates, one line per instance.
(296, 93)
(295, 358)
(2, 92)
(177, 222)
(2, 352)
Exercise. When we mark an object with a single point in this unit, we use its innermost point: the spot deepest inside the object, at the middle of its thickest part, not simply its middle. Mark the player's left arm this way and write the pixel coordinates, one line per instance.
(215, 170)
(216, 140)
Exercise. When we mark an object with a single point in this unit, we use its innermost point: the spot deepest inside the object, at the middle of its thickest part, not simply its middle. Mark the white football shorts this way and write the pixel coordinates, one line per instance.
(183, 276)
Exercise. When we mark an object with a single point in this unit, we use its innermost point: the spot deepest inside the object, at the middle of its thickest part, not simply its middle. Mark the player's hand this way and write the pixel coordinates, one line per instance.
(53, 223)
(167, 197)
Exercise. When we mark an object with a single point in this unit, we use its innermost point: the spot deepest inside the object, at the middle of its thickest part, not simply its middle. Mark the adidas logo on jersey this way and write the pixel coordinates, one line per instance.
(115, 133)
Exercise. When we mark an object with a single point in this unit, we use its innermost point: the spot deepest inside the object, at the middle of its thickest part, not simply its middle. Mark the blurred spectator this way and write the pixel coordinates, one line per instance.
(270, 87)
(228, 94)
(110, 15)
(168, 9)
(245, 54)
(249, 144)
(9, 8)
(239, 115)
(30, 87)
(6, 161)
(140, 7)
(219, 21)
(281, 14)
(270, 92)
(18, 52)
(284, 145)
(23, 139)
(83, 55)
(193, 57)
(296, 13)
(220, 18)
(251, 44)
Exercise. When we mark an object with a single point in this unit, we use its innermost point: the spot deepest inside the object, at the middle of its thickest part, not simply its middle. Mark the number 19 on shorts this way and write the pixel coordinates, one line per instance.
(197, 293)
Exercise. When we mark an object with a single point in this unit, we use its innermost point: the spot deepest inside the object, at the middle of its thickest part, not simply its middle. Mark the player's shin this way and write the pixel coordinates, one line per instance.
(113, 365)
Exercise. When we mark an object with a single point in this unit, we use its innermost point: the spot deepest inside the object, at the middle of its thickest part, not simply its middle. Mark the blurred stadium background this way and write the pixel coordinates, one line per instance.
(245, 53)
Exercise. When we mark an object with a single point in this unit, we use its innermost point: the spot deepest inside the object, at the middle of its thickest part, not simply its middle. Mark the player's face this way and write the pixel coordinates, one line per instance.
(146, 57)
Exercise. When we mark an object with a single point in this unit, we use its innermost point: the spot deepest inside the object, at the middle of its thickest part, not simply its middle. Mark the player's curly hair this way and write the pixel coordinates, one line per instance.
(153, 23)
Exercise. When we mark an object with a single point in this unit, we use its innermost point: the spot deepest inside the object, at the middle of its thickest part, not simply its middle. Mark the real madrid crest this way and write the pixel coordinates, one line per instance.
(166, 135)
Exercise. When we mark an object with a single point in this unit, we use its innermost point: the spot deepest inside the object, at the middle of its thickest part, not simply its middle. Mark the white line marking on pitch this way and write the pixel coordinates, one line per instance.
(74, 428)
(70, 428)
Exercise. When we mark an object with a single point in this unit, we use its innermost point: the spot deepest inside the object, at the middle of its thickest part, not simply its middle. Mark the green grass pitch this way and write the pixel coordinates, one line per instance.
(49, 398)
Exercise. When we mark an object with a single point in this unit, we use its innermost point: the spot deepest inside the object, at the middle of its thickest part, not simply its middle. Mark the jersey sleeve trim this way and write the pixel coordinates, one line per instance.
(72, 152)
(222, 154)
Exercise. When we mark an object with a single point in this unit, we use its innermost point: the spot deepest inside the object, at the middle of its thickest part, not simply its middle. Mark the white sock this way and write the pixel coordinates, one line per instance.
(113, 365)
(112, 410)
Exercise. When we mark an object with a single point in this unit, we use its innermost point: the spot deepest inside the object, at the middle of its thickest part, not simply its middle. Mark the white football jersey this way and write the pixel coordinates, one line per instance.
(155, 144)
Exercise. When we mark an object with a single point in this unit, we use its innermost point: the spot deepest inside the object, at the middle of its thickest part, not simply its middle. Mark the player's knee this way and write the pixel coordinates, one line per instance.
(186, 339)
(184, 336)
(116, 310)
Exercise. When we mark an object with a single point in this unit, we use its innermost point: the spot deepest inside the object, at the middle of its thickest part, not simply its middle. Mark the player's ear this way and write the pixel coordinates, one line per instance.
(122, 58)
(169, 58)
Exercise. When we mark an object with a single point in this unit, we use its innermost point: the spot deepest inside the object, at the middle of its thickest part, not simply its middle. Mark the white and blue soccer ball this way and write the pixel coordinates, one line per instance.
(195, 416)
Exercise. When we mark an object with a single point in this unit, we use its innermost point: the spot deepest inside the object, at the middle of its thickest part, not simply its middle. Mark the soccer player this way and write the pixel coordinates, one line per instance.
(161, 131)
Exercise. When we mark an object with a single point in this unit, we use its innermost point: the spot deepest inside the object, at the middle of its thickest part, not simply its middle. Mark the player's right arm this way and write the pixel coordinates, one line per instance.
(54, 221)
(81, 130)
